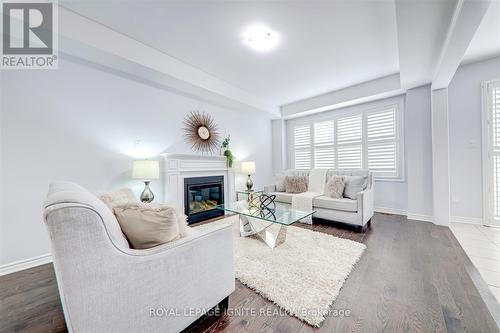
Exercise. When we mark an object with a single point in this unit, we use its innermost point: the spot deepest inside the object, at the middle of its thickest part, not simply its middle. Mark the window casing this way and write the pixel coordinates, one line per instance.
(370, 138)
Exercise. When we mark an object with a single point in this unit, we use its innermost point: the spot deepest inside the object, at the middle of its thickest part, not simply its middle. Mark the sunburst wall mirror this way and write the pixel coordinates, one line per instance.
(201, 132)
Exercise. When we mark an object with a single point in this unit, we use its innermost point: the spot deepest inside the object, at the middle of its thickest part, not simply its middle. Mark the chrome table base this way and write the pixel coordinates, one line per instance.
(273, 234)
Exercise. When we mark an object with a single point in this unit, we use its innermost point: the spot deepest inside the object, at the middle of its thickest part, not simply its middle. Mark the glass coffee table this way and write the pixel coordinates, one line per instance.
(269, 224)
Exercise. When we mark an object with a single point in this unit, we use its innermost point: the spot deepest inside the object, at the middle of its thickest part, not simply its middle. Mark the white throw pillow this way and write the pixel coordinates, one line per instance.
(334, 187)
(148, 225)
(117, 198)
(353, 185)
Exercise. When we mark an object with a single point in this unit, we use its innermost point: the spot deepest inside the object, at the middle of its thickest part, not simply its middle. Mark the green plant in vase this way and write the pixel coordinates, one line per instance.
(227, 151)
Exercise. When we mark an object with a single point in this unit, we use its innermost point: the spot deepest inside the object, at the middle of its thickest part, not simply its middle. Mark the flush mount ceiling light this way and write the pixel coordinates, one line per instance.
(260, 38)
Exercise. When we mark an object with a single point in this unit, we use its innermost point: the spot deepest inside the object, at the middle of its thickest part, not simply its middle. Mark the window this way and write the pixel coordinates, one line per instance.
(356, 140)
(349, 142)
(381, 137)
(491, 153)
(302, 147)
(495, 149)
(324, 149)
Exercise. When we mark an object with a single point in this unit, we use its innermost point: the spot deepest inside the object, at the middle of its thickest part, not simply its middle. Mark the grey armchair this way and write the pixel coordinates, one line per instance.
(105, 286)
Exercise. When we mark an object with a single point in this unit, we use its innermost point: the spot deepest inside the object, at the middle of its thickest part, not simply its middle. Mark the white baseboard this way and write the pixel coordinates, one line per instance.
(17, 266)
(387, 210)
(410, 216)
(469, 220)
(420, 217)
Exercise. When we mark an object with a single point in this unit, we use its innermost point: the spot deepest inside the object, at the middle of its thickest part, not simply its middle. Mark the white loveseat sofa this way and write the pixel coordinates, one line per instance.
(105, 286)
(357, 212)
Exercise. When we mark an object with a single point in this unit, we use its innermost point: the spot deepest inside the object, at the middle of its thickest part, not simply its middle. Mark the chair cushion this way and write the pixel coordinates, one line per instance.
(282, 197)
(343, 204)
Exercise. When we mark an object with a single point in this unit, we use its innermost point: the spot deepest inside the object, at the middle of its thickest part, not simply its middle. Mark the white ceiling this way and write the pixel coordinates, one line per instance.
(486, 41)
(325, 45)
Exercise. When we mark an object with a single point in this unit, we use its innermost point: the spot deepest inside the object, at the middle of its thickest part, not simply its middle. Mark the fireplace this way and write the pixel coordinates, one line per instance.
(201, 196)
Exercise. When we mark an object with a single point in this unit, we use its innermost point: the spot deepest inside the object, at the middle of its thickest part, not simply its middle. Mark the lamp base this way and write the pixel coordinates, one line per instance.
(147, 195)
(249, 183)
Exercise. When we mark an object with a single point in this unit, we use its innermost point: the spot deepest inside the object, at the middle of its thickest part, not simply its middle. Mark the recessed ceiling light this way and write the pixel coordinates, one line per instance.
(261, 38)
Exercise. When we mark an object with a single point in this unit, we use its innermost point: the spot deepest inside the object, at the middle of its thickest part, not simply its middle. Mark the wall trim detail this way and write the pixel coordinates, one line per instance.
(410, 216)
(420, 217)
(388, 210)
(463, 219)
(20, 265)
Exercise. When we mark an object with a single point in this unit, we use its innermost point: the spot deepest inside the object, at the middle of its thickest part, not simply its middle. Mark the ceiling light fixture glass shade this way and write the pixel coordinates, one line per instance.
(261, 38)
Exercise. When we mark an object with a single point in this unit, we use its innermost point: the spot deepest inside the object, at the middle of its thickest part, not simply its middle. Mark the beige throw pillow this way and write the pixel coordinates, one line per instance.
(148, 225)
(295, 184)
(335, 187)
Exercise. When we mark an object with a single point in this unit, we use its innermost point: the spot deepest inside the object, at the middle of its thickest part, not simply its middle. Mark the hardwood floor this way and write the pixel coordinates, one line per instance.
(412, 278)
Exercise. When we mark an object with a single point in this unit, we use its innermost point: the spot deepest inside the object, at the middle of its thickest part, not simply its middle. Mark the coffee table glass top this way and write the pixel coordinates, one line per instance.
(278, 213)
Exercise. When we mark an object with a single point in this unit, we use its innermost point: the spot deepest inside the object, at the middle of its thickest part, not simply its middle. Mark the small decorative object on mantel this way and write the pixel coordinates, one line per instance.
(201, 132)
(227, 151)
(146, 170)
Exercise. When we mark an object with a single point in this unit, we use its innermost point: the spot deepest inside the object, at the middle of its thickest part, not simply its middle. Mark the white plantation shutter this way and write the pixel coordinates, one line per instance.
(382, 157)
(382, 142)
(302, 147)
(324, 139)
(363, 140)
(303, 159)
(302, 136)
(349, 129)
(349, 145)
(349, 157)
(496, 186)
(494, 97)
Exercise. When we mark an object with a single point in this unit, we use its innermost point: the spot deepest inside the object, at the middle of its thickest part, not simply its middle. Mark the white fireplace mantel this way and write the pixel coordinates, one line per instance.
(177, 167)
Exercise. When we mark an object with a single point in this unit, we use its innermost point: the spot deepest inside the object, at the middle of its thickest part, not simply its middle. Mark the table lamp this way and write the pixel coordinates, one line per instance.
(146, 170)
(248, 168)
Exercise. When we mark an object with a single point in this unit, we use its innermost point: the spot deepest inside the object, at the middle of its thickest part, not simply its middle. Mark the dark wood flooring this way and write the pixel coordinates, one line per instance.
(412, 278)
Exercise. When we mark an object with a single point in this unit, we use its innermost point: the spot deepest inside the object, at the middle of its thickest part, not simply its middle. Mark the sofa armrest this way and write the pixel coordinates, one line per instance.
(269, 188)
(365, 204)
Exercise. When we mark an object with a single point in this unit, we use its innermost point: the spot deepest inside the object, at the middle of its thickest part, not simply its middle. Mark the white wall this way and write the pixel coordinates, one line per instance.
(418, 140)
(80, 123)
(440, 156)
(279, 145)
(464, 100)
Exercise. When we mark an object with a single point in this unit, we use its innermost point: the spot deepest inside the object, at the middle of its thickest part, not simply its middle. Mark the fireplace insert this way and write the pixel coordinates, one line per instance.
(201, 196)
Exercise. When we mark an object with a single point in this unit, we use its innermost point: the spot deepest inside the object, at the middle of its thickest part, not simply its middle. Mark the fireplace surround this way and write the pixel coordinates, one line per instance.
(178, 168)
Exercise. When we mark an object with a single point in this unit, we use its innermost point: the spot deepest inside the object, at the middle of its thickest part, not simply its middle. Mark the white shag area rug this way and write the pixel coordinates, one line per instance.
(303, 275)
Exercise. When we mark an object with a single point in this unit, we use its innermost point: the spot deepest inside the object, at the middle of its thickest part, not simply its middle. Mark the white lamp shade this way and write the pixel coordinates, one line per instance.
(146, 170)
(248, 167)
